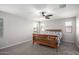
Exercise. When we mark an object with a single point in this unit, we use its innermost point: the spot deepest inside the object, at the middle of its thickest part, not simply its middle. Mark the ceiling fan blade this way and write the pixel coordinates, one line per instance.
(49, 15)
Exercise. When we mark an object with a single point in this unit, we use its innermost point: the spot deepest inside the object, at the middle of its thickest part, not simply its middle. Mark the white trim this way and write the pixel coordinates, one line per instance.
(14, 44)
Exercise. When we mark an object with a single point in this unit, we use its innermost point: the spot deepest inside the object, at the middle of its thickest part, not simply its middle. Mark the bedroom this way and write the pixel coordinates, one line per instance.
(22, 21)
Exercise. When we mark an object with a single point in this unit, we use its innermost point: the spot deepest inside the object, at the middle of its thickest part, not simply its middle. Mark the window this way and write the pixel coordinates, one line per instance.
(68, 23)
(42, 26)
(68, 26)
(38, 27)
(35, 27)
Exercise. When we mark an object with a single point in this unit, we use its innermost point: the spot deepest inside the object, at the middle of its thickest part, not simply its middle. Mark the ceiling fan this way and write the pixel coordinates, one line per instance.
(46, 16)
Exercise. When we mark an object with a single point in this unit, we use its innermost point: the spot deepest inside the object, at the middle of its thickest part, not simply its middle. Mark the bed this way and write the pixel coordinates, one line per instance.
(51, 38)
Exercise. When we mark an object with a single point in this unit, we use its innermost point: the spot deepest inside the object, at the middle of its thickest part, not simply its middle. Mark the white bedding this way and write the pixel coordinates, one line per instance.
(59, 34)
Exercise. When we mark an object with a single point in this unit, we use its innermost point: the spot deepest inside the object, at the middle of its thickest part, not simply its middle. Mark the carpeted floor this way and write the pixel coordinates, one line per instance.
(29, 49)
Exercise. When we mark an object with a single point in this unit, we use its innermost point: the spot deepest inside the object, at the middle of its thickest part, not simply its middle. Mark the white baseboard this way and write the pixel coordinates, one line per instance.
(14, 44)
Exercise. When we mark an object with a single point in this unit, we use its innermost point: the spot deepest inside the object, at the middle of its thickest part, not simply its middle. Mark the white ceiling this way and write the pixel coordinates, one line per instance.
(33, 10)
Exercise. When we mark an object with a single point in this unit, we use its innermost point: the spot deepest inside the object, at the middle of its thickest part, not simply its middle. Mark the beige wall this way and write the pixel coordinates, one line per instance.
(60, 24)
(16, 30)
(77, 30)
